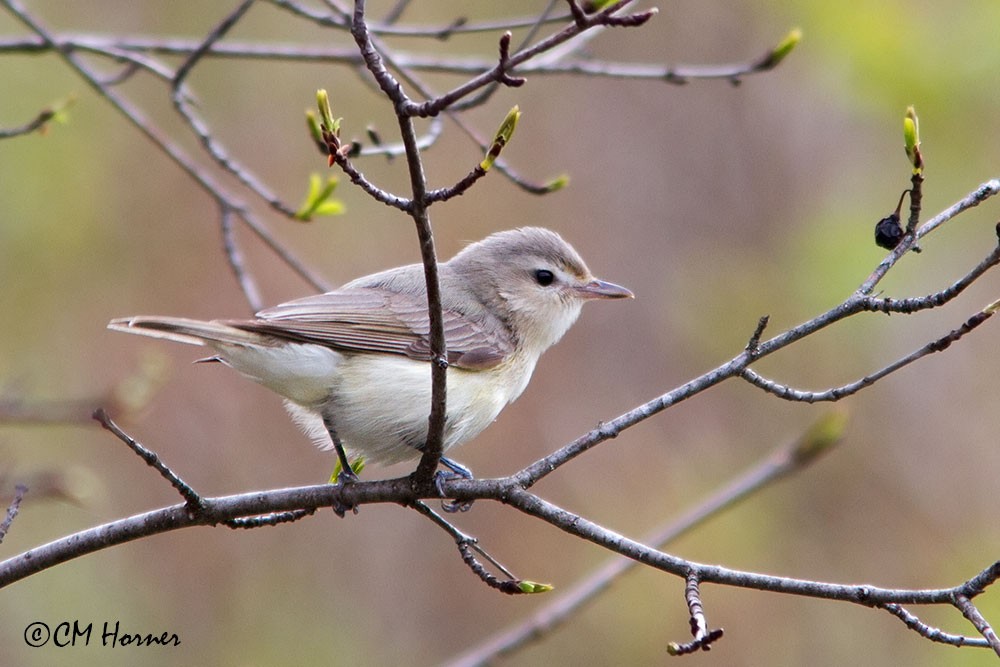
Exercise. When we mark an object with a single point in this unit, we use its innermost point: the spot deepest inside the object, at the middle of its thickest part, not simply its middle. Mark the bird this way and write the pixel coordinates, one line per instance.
(354, 364)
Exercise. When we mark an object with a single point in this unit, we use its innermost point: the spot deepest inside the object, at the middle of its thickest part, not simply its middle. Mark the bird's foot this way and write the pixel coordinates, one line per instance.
(456, 471)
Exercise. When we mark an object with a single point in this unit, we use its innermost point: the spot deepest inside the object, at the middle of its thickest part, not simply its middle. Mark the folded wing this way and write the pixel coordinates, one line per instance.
(378, 320)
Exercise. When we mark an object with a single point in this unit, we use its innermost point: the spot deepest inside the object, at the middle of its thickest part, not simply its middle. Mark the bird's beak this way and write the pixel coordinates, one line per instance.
(599, 289)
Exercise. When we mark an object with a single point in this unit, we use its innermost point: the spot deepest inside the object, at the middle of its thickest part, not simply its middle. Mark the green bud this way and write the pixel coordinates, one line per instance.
(60, 110)
(502, 138)
(823, 434)
(325, 113)
(532, 587)
(785, 46)
(911, 139)
(557, 183)
(314, 130)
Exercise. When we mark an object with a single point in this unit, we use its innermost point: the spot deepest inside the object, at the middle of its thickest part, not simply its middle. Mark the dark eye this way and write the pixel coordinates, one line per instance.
(544, 277)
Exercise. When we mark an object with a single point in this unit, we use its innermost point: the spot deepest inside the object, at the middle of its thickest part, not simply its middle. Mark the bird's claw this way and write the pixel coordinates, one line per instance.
(457, 471)
(345, 477)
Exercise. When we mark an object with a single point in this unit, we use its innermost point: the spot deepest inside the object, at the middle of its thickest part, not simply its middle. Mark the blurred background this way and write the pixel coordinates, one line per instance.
(714, 203)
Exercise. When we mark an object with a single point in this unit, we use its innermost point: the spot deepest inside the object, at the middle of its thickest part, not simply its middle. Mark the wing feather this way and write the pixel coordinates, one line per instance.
(374, 319)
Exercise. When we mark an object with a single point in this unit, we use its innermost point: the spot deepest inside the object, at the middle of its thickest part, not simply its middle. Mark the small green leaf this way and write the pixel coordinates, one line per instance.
(314, 130)
(329, 208)
(315, 185)
(502, 138)
(318, 199)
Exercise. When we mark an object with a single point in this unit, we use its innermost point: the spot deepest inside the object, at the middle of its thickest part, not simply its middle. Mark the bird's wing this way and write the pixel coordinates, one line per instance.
(363, 319)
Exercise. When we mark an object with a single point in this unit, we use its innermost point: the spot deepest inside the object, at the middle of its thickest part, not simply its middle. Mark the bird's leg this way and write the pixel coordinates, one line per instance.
(457, 468)
(457, 471)
(347, 474)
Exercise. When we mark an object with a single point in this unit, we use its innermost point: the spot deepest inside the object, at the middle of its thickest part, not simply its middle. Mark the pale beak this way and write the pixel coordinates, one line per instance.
(599, 289)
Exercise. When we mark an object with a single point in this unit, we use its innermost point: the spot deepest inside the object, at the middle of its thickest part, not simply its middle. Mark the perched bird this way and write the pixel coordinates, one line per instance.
(354, 363)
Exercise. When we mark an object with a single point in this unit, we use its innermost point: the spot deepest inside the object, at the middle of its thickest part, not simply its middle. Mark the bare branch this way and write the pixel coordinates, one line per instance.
(933, 634)
(466, 546)
(703, 637)
(123, 46)
(39, 122)
(435, 106)
(193, 501)
(235, 258)
(200, 128)
(837, 393)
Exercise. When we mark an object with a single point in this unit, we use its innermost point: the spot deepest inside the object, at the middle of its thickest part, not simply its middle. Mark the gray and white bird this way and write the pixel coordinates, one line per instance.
(354, 363)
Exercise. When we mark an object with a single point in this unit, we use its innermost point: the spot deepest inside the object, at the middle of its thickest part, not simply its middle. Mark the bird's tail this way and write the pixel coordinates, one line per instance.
(183, 330)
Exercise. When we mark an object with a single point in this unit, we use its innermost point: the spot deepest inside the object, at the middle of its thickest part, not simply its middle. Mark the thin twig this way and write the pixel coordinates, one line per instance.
(357, 178)
(458, 189)
(466, 546)
(211, 145)
(484, 95)
(12, 509)
(192, 499)
(38, 122)
(213, 36)
(837, 393)
(462, 66)
(975, 617)
(754, 341)
(932, 633)
(235, 258)
(981, 194)
(935, 299)
(387, 28)
(432, 107)
(703, 637)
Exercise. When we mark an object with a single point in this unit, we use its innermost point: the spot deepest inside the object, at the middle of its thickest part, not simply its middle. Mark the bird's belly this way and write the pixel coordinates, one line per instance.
(381, 404)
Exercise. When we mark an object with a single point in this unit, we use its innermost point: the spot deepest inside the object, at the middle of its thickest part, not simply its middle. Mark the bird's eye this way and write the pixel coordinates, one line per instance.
(544, 277)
